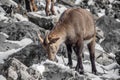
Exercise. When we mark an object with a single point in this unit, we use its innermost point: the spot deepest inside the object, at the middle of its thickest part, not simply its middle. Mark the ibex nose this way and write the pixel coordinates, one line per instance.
(56, 60)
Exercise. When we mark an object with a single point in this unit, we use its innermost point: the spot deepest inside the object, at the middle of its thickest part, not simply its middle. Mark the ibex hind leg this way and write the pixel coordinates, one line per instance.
(91, 48)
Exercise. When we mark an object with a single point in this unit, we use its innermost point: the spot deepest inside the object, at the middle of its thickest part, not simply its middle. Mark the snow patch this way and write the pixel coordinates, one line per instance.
(78, 1)
(3, 17)
(24, 42)
(118, 20)
(90, 2)
(38, 67)
(2, 77)
(4, 55)
(98, 47)
(7, 36)
(20, 17)
(9, 2)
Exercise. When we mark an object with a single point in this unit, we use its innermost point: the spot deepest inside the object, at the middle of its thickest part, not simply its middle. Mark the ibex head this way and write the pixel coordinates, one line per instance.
(50, 44)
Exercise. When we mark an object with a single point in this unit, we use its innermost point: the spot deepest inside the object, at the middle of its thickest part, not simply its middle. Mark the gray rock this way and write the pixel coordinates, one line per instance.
(31, 54)
(20, 30)
(15, 70)
(2, 10)
(42, 21)
(111, 28)
(8, 2)
(55, 72)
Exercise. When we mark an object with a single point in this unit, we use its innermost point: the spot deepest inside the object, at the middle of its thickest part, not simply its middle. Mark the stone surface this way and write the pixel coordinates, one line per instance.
(110, 27)
(15, 70)
(20, 30)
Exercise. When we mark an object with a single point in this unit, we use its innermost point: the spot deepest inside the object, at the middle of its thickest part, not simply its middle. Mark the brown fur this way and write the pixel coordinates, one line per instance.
(30, 5)
(74, 27)
(33, 6)
(51, 10)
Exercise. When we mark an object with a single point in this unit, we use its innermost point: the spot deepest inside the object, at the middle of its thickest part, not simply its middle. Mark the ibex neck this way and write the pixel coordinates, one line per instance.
(59, 31)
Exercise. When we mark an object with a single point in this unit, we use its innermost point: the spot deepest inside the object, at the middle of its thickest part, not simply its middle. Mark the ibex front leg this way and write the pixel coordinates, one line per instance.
(69, 51)
(78, 50)
(47, 10)
(52, 7)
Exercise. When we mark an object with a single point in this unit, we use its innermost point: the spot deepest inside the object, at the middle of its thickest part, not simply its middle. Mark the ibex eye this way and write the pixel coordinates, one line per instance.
(51, 48)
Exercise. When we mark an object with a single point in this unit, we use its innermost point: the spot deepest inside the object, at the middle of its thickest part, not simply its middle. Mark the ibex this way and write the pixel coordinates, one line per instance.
(74, 28)
(47, 10)
(30, 5)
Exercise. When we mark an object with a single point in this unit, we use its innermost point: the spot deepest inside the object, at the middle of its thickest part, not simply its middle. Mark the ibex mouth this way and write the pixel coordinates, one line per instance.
(56, 60)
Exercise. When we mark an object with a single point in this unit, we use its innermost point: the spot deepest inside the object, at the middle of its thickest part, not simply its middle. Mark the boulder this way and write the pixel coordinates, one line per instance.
(111, 30)
(53, 71)
(8, 2)
(31, 54)
(42, 21)
(15, 70)
(20, 30)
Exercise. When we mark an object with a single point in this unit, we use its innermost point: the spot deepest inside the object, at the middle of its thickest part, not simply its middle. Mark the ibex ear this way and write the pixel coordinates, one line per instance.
(54, 40)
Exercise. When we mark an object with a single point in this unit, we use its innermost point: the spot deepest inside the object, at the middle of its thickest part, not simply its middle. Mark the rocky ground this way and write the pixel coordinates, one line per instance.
(22, 56)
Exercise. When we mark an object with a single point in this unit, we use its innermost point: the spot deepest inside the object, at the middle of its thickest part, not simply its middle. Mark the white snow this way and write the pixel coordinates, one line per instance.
(4, 55)
(8, 2)
(38, 67)
(118, 20)
(78, 1)
(4, 34)
(101, 14)
(3, 17)
(106, 71)
(98, 47)
(22, 43)
(110, 70)
(60, 9)
(111, 1)
(90, 2)
(2, 78)
(20, 17)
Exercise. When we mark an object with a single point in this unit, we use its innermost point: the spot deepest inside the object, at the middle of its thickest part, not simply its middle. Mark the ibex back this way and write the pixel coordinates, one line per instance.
(74, 27)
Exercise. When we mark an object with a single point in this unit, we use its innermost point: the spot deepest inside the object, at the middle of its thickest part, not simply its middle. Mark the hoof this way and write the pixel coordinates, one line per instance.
(53, 13)
(95, 72)
(70, 65)
(81, 72)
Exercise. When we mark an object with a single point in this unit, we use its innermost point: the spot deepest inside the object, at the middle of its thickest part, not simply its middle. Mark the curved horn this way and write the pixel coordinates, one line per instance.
(40, 38)
(47, 40)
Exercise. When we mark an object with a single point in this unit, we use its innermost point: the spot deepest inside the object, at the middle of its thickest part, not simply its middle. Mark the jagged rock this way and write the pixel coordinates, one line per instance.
(42, 21)
(20, 30)
(54, 72)
(2, 10)
(15, 70)
(117, 57)
(8, 2)
(31, 54)
(111, 29)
